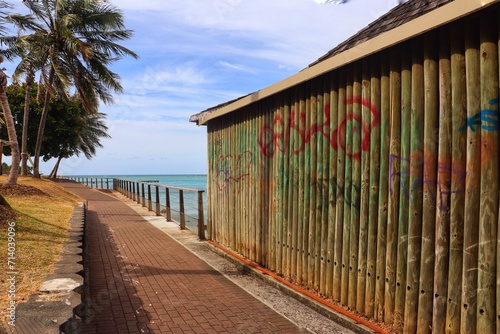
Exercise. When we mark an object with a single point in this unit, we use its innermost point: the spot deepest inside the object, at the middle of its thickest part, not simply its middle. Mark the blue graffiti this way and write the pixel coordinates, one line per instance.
(486, 119)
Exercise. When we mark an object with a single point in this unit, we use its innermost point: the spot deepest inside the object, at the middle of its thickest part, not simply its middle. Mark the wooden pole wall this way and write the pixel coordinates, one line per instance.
(376, 185)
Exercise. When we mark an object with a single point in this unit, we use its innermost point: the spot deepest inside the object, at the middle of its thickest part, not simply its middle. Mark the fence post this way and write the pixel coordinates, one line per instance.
(138, 199)
(167, 204)
(150, 207)
(143, 195)
(181, 209)
(201, 220)
(158, 209)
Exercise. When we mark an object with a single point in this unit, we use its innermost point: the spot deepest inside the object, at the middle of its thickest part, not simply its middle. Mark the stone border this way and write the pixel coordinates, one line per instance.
(53, 308)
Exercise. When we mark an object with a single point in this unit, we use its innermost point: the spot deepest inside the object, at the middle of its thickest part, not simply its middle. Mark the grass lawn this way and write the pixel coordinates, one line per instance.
(43, 211)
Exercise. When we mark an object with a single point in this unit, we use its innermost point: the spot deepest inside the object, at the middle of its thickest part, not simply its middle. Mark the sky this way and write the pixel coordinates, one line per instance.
(195, 54)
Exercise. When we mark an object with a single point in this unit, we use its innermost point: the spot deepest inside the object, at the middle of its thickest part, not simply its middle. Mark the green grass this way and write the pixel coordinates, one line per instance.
(41, 229)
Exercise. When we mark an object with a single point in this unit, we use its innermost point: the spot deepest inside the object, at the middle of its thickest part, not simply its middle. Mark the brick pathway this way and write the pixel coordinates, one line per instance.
(143, 281)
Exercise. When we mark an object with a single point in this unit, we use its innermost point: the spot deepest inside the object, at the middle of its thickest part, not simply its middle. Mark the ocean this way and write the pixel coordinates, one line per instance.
(196, 182)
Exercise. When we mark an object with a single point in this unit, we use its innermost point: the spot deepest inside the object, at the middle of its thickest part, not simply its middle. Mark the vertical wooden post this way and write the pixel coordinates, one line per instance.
(431, 123)
(264, 165)
(287, 219)
(324, 186)
(157, 201)
(312, 189)
(416, 161)
(338, 188)
(295, 142)
(356, 148)
(332, 192)
(143, 194)
(404, 177)
(459, 171)
(137, 186)
(374, 186)
(364, 211)
(385, 136)
(321, 170)
(344, 298)
(181, 209)
(488, 212)
(280, 185)
(307, 194)
(201, 220)
(443, 188)
(301, 198)
(168, 212)
(150, 206)
(394, 172)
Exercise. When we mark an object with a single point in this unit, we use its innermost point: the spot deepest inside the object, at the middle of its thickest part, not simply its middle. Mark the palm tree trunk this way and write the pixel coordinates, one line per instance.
(53, 174)
(11, 131)
(41, 126)
(24, 142)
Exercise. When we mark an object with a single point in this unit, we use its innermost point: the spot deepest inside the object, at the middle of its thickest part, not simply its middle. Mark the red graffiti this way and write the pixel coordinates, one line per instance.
(273, 139)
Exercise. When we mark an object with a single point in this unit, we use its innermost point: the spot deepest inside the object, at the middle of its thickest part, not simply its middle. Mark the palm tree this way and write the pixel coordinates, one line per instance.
(33, 58)
(92, 130)
(81, 40)
(9, 120)
(11, 129)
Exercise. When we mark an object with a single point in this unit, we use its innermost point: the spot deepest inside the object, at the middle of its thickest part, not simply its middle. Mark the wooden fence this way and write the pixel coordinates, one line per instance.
(376, 185)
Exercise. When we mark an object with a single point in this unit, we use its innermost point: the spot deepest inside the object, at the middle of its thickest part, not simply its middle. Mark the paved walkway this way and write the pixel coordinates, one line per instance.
(143, 281)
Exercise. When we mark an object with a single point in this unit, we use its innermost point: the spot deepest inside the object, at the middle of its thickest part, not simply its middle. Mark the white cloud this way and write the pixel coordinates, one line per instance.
(195, 54)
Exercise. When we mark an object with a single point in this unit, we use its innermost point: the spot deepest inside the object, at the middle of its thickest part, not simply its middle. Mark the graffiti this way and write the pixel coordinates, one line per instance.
(340, 140)
(347, 195)
(273, 139)
(455, 185)
(233, 169)
(443, 185)
(486, 119)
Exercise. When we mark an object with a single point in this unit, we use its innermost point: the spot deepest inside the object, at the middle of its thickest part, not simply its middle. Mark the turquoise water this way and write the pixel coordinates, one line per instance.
(198, 182)
(195, 182)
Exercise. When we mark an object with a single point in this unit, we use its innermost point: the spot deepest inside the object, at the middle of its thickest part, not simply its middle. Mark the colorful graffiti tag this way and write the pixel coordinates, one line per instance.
(233, 169)
(438, 188)
(486, 119)
(273, 138)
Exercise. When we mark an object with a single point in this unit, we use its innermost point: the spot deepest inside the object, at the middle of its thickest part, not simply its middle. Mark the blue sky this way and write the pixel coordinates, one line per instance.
(195, 54)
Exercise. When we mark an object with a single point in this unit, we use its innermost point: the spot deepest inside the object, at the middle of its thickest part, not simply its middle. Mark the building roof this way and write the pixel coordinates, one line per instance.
(403, 22)
(397, 16)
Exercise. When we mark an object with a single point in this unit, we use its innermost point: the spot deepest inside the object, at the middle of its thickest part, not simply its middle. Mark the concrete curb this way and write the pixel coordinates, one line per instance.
(51, 310)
